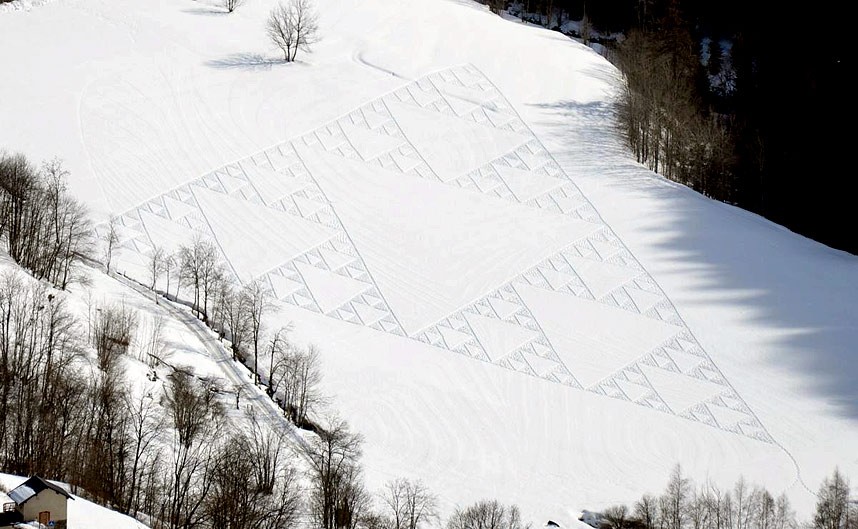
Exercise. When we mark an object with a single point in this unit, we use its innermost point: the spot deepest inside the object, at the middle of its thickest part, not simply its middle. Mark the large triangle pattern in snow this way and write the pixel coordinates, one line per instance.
(273, 186)
(371, 134)
(330, 290)
(456, 127)
(591, 338)
(455, 334)
(176, 208)
(680, 392)
(601, 278)
(527, 185)
(452, 147)
(499, 328)
(498, 338)
(370, 144)
(546, 187)
(484, 180)
(277, 236)
(283, 286)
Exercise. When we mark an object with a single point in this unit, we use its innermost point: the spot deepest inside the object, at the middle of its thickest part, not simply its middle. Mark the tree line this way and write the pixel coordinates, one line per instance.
(662, 115)
(43, 228)
(684, 505)
(726, 97)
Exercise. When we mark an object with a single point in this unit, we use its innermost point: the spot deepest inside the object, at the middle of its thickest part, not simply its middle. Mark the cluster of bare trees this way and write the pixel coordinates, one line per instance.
(237, 313)
(487, 514)
(682, 506)
(661, 114)
(293, 26)
(686, 506)
(43, 228)
(835, 508)
(251, 484)
(60, 415)
(42, 396)
(294, 378)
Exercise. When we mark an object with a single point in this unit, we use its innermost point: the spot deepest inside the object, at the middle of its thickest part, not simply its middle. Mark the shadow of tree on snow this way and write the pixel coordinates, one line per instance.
(245, 61)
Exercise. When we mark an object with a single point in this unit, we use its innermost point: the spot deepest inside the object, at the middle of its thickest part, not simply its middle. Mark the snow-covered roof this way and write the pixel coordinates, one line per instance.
(21, 494)
(32, 487)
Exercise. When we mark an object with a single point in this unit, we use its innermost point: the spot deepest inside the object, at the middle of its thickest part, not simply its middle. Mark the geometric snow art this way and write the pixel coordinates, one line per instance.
(435, 214)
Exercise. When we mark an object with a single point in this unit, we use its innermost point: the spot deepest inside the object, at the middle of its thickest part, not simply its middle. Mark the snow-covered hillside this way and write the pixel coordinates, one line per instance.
(506, 304)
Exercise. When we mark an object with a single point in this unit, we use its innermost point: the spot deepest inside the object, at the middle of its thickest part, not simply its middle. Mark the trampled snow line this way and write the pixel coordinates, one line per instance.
(358, 58)
(235, 373)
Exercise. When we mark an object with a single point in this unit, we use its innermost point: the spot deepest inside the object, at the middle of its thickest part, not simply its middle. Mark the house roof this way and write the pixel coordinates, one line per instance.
(32, 487)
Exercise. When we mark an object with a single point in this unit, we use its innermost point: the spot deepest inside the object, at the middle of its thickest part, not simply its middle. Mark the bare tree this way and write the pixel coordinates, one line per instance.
(266, 449)
(257, 302)
(146, 425)
(409, 504)
(299, 374)
(674, 502)
(231, 5)
(278, 350)
(487, 514)
(196, 416)
(618, 516)
(237, 501)
(110, 238)
(646, 510)
(151, 339)
(169, 264)
(200, 268)
(236, 317)
(337, 499)
(785, 516)
(293, 26)
(156, 264)
(113, 332)
(833, 507)
(586, 29)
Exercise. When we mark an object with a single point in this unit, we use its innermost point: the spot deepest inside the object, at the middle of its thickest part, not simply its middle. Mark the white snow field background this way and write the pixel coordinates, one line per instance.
(507, 305)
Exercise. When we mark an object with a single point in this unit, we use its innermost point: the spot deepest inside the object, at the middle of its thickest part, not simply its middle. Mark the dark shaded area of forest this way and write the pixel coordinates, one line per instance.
(781, 131)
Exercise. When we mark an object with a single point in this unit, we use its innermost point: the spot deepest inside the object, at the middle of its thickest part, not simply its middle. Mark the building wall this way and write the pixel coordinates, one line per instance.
(47, 500)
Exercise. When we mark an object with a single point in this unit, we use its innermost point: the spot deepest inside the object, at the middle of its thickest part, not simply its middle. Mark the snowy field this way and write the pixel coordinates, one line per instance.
(506, 304)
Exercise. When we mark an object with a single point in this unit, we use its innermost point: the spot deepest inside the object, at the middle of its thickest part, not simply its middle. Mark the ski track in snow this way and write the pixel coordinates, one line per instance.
(442, 111)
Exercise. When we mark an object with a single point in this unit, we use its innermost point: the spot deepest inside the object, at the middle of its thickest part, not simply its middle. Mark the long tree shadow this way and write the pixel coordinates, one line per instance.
(245, 61)
(803, 295)
(207, 11)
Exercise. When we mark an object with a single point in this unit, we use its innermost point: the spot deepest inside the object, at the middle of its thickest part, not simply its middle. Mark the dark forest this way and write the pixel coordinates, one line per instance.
(773, 138)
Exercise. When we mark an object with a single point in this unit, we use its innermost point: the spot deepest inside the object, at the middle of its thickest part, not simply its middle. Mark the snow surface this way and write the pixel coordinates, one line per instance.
(83, 514)
(507, 305)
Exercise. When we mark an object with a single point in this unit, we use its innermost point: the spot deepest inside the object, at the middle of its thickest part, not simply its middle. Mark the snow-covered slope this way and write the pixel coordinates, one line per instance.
(507, 305)
(83, 514)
